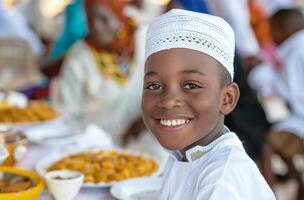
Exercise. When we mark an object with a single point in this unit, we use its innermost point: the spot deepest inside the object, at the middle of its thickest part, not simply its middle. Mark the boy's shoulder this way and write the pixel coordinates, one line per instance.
(228, 164)
(231, 170)
(227, 156)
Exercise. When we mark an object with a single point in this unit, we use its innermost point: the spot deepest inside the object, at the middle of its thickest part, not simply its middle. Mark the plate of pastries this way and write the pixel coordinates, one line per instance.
(101, 168)
(17, 110)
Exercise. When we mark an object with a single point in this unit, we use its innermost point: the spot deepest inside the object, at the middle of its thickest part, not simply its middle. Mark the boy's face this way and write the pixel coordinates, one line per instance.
(183, 97)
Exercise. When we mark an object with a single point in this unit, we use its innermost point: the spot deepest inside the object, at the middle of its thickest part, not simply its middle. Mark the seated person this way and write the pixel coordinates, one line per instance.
(287, 27)
(99, 82)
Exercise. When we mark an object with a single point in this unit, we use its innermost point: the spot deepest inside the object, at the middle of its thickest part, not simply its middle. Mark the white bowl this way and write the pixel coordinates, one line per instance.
(64, 185)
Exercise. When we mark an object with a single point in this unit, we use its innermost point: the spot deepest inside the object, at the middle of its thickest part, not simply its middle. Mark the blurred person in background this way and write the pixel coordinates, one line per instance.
(286, 138)
(96, 71)
(74, 29)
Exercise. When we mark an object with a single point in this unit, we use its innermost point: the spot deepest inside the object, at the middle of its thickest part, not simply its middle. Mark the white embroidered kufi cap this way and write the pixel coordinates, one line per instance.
(192, 30)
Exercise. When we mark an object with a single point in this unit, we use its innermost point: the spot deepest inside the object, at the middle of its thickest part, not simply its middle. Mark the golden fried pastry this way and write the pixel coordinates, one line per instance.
(34, 112)
(107, 166)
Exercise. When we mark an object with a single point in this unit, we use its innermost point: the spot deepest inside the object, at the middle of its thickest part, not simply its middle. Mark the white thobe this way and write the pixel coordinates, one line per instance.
(224, 171)
(85, 93)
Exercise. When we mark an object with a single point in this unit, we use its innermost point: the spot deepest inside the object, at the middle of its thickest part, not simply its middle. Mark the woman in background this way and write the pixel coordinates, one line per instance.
(100, 81)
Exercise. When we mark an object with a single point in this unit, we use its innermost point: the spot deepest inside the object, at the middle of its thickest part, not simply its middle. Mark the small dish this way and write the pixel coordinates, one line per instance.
(137, 189)
(31, 192)
(64, 185)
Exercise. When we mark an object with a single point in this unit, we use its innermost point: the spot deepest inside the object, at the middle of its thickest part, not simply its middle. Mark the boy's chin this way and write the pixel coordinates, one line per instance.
(171, 145)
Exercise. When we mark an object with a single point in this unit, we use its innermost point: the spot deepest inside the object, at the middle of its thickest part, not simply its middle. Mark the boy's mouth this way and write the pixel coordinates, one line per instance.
(172, 124)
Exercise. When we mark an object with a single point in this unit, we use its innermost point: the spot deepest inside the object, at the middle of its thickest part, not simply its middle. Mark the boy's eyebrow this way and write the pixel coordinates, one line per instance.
(193, 71)
(150, 73)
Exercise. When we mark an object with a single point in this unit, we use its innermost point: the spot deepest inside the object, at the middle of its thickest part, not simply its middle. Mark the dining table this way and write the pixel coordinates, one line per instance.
(38, 151)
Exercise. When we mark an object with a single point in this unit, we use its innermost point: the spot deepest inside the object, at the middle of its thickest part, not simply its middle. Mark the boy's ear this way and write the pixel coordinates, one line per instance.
(230, 97)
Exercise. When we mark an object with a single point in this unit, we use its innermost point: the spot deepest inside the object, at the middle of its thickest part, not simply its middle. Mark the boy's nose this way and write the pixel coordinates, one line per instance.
(170, 101)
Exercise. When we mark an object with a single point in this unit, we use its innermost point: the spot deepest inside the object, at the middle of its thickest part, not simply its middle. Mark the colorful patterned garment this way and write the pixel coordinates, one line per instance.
(112, 65)
(260, 23)
(74, 29)
(115, 63)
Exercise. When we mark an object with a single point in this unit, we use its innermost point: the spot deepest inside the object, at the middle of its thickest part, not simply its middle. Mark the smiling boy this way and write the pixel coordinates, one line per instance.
(188, 89)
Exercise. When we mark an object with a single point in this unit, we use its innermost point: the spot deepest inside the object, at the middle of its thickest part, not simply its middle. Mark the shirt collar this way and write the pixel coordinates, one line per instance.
(198, 151)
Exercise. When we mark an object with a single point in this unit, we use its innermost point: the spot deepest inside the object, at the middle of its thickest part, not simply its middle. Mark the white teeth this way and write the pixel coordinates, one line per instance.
(169, 123)
(175, 122)
(181, 121)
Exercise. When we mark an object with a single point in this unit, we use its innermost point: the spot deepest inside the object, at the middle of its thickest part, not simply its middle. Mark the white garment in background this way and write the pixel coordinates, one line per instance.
(94, 98)
(237, 15)
(225, 172)
(287, 83)
(14, 24)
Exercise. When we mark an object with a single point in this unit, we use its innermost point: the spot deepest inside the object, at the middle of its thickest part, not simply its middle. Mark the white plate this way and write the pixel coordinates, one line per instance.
(43, 165)
(60, 131)
(137, 189)
(28, 125)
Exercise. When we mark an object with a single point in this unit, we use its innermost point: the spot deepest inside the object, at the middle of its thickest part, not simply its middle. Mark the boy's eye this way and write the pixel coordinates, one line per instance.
(153, 86)
(190, 86)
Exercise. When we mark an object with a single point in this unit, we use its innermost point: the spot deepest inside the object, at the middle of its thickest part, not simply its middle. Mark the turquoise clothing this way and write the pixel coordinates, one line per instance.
(75, 28)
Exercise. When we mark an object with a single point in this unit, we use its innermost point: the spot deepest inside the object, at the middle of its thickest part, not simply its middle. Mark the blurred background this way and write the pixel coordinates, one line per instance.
(71, 71)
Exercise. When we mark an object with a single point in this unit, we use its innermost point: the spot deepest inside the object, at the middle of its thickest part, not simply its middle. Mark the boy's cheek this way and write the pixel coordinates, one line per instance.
(147, 103)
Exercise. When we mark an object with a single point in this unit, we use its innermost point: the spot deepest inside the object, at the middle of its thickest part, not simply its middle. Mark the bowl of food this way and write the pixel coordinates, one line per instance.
(19, 184)
(64, 184)
(101, 168)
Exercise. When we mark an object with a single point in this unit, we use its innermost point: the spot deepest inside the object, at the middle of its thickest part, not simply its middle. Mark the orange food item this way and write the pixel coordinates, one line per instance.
(107, 166)
(35, 111)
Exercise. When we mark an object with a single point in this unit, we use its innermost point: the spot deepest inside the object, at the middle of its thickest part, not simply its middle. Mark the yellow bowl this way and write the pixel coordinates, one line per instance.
(29, 194)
